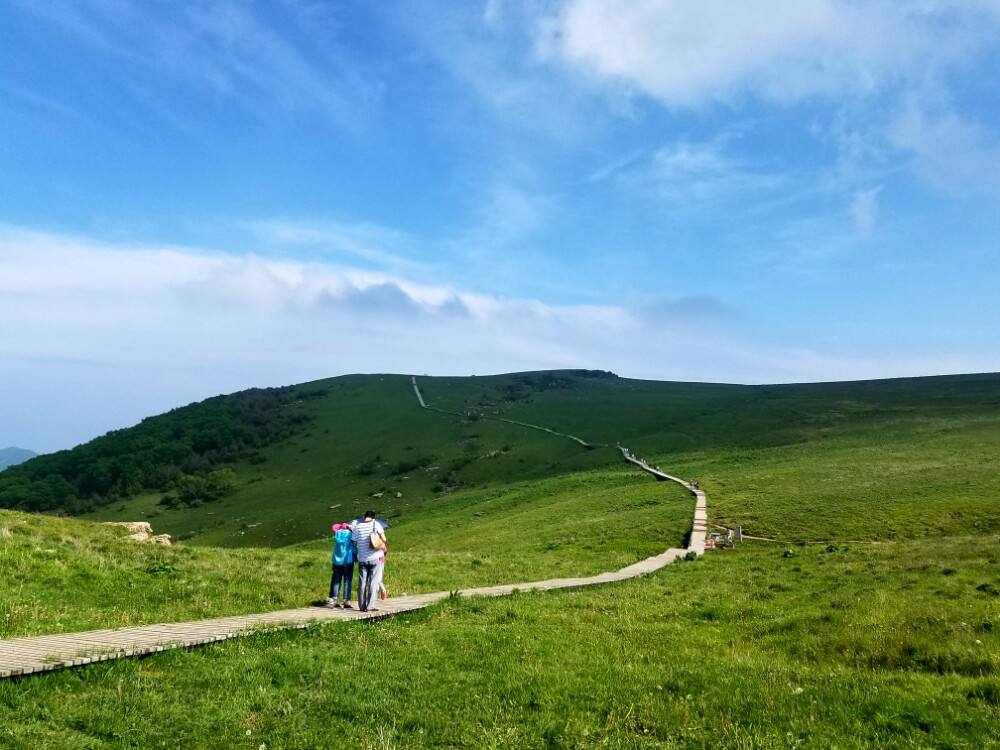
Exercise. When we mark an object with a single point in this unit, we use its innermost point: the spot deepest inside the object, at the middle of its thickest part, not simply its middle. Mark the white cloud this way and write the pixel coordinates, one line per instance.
(60, 291)
(115, 332)
(688, 54)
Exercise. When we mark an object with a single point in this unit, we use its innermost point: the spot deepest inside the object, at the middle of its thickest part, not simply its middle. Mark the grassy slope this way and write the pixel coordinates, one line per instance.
(919, 477)
(63, 575)
(735, 437)
(314, 478)
(877, 646)
(865, 645)
(73, 575)
(866, 460)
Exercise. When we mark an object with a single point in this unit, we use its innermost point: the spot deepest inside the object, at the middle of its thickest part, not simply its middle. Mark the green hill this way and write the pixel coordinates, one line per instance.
(273, 467)
(873, 622)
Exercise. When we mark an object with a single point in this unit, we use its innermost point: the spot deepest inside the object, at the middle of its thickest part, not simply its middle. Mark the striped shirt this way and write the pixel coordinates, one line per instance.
(361, 533)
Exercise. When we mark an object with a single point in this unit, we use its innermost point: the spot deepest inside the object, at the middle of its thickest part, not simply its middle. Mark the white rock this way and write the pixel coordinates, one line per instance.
(142, 531)
(136, 527)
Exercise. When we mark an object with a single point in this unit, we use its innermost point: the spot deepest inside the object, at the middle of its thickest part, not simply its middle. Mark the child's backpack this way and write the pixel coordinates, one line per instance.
(343, 550)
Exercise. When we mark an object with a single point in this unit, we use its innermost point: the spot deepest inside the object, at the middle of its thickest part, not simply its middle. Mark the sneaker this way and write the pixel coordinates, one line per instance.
(347, 605)
(330, 603)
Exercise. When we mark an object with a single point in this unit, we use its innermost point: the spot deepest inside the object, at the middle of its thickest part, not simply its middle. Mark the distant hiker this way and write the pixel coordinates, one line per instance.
(369, 541)
(343, 566)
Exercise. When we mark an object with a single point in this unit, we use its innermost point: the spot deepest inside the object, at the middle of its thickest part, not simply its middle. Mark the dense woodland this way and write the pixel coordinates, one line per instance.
(181, 452)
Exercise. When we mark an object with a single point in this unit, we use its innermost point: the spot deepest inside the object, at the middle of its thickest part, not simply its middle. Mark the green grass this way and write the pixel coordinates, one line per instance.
(670, 417)
(364, 439)
(576, 524)
(919, 477)
(73, 575)
(882, 634)
(864, 646)
(367, 443)
(61, 575)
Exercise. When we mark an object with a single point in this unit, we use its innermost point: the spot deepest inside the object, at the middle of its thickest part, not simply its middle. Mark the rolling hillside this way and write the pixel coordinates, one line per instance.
(273, 467)
(872, 622)
(574, 524)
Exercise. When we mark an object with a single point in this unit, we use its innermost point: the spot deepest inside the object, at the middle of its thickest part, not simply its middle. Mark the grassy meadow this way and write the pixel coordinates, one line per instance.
(920, 477)
(67, 574)
(894, 645)
(871, 622)
(849, 457)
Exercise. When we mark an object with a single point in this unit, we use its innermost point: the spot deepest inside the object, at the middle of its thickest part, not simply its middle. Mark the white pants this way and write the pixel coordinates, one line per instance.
(369, 580)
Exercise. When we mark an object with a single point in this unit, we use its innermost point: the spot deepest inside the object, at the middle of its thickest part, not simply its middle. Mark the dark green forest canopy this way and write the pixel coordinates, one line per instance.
(160, 453)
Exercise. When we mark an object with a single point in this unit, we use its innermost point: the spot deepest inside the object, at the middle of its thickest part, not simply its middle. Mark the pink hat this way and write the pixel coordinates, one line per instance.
(339, 526)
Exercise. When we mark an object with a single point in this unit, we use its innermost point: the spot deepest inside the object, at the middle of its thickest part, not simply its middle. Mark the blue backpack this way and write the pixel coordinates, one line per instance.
(343, 549)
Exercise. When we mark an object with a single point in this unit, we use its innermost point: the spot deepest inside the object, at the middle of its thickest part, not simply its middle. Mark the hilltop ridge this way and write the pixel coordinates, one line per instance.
(267, 466)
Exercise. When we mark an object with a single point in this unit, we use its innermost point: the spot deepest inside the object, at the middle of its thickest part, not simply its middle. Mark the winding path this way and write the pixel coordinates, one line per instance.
(699, 526)
(30, 655)
(529, 425)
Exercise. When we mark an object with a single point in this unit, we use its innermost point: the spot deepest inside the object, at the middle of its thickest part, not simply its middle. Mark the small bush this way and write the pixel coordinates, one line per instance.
(169, 501)
(161, 567)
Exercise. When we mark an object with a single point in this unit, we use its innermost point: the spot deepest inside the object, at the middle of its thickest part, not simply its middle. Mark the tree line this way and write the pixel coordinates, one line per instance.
(183, 450)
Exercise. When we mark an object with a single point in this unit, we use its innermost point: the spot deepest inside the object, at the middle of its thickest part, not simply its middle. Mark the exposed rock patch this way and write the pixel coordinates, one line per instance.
(142, 531)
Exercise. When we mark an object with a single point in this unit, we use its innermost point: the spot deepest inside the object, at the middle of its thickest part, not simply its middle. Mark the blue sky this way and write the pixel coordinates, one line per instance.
(197, 197)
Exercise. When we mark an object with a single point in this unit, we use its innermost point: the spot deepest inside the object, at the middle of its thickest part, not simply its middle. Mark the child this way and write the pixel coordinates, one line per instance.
(343, 567)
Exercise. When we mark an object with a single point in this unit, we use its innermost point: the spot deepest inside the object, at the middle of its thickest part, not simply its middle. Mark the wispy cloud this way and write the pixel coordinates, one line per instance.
(222, 49)
(490, 50)
(951, 151)
(509, 211)
(864, 209)
(691, 173)
(382, 247)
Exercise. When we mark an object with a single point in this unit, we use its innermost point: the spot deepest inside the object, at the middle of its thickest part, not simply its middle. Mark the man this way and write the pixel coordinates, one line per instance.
(369, 559)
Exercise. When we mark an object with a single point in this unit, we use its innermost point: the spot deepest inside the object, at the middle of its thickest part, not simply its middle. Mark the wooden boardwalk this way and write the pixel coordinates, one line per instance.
(24, 656)
(30, 655)
(699, 527)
